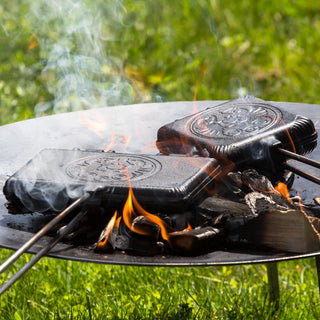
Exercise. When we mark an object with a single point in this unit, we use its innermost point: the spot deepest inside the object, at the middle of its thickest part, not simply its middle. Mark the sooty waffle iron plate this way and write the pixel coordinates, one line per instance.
(54, 178)
(246, 131)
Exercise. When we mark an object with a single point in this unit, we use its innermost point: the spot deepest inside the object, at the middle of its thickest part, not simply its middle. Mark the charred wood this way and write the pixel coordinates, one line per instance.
(259, 202)
(197, 241)
(143, 226)
(137, 244)
(215, 206)
(290, 231)
(255, 181)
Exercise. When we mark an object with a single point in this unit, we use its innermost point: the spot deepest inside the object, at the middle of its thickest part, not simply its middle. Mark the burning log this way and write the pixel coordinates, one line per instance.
(268, 218)
(105, 242)
(215, 206)
(256, 181)
(289, 231)
(196, 241)
(138, 244)
(276, 222)
(145, 243)
(259, 202)
(264, 197)
(143, 225)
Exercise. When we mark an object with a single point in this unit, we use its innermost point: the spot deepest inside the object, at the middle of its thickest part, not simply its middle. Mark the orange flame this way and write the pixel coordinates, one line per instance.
(283, 190)
(111, 144)
(111, 223)
(132, 209)
(99, 126)
(289, 137)
(118, 222)
(188, 227)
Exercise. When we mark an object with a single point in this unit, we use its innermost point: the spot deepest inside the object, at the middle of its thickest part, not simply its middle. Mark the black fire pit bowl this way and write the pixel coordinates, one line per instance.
(66, 131)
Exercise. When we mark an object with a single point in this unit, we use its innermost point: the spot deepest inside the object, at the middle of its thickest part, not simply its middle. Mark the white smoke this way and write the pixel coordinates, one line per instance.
(77, 71)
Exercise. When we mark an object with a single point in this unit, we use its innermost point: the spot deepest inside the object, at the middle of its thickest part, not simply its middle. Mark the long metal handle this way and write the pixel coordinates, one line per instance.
(299, 158)
(301, 173)
(64, 231)
(42, 232)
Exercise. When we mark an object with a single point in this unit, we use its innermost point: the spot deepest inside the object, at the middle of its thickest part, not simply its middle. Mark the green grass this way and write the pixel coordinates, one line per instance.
(157, 51)
(56, 289)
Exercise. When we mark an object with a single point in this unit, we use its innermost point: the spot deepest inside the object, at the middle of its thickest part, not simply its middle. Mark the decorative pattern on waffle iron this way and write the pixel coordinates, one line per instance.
(235, 120)
(113, 168)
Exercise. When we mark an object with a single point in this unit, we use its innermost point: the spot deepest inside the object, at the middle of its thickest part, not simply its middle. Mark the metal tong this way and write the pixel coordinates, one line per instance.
(297, 157)
(60, 234)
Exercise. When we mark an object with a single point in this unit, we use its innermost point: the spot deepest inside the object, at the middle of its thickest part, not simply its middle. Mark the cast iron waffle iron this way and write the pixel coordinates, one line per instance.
(55, 177)
(246, 131)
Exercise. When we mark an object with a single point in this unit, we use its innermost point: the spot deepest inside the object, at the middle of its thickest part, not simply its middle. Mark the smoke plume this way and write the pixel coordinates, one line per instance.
(73, 38)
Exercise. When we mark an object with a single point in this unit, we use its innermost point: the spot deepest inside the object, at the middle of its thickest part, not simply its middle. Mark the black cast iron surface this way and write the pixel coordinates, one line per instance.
(130, 129)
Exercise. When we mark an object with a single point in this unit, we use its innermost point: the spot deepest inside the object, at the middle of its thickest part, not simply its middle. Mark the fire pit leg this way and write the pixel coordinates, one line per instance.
(273, 282)
(318, 269)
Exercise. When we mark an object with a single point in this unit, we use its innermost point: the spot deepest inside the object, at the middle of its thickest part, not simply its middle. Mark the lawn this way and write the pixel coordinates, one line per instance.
(68, 55)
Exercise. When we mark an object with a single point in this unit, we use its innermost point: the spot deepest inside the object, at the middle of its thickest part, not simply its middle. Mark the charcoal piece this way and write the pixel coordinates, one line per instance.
(232, 188)
(133, 243)
(233, 228)
(196, 241)
(245, 130)
(145, 226)
(217, 205)
(54, 178)
(233, 183)
(259, 202)
(181, 220)
(264, 196)
(256, 181)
